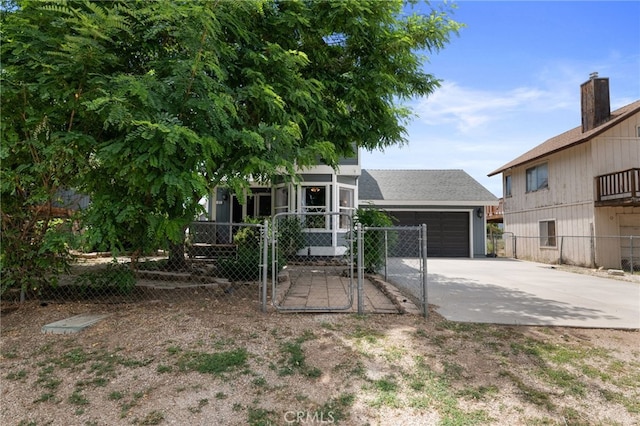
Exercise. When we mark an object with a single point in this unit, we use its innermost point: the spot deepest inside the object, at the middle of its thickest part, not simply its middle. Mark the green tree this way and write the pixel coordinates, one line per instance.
(143, 106)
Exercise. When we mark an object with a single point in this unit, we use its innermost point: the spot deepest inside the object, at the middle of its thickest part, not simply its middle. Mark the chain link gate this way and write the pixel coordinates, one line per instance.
(398, 255)
(312, 262)
(323, 262)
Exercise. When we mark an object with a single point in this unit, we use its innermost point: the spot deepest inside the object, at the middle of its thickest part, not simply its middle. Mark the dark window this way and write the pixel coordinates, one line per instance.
(507, 186)
(315, 201)
(537, 178)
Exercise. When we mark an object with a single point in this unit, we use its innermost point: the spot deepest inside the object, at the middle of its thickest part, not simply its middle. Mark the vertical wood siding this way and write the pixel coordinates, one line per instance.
(569, 200)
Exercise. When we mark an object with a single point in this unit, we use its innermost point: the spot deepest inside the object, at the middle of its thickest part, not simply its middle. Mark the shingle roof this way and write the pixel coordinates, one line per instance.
(422, 186)
(570, 138)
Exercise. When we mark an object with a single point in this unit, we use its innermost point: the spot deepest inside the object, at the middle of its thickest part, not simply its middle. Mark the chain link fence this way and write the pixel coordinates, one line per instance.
(495, 245)
(314, 262)
(397, 255)
(220, 263)
(618, 251)
(313, 254)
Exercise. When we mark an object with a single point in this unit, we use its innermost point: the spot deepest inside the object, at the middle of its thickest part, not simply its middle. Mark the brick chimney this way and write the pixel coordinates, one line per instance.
(594, 99)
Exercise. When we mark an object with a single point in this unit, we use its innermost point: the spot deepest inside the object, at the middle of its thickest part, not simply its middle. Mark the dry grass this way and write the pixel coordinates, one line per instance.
(190, 363)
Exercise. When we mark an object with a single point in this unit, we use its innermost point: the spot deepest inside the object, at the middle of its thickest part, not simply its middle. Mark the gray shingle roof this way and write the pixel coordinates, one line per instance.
(406, 186)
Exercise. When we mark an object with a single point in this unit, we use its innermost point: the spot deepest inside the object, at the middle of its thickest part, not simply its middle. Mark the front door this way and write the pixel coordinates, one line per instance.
(257, 205)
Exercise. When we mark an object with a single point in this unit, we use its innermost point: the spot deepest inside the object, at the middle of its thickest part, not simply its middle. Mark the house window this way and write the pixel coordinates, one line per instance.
(507, 186)
(346, 207)
(638, 130)
(548, 233)
(314, 200)
(537, 178)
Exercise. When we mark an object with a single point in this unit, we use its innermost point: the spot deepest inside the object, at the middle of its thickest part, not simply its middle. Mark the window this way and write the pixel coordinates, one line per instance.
(346, 207)
(314, 200)
(507, 186)
(548, 233)
(537, 178)
(638, 131)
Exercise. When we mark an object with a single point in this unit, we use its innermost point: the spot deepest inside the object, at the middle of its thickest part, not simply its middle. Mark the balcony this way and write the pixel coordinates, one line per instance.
(495, 214)
(618, 188)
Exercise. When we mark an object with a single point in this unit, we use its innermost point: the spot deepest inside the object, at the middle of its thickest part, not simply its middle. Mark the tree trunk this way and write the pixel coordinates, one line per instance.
(177, 260)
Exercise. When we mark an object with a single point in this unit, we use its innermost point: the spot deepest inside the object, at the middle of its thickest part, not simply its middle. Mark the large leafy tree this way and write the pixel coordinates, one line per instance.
(145, 105)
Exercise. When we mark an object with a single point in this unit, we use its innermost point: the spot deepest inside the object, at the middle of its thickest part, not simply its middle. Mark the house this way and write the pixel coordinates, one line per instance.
(575, 198)
(321, 189)
(450, 202)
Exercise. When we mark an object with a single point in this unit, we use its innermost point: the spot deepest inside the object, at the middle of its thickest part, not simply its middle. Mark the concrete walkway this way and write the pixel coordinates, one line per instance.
(507, 291)
(327, 289)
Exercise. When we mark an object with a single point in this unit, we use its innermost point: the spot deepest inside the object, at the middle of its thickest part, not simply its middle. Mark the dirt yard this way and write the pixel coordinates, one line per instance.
(206, 363)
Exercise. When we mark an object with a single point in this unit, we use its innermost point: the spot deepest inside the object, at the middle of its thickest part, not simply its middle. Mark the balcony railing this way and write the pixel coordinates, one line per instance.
(495, 213)
(619, 188)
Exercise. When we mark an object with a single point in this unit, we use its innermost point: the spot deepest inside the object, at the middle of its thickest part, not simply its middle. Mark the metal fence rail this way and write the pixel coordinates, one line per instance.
(312, 268)
(399, 254)
(201, 269)
(621, 251)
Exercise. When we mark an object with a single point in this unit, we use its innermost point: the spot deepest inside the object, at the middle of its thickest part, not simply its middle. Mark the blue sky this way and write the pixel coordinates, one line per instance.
(511, 80)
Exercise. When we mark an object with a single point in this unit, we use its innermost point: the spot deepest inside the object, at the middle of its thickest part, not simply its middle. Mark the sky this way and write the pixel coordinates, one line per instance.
(511, 80)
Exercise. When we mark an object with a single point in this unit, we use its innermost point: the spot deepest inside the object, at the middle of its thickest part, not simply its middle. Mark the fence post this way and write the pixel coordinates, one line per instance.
(360, 247)
(386, 255)
(632, 270)
(592, 246)
(265, 263)
(494, 242)
(423, 248)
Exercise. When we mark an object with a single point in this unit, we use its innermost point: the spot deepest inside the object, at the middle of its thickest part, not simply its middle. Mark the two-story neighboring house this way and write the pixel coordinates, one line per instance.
(576, 197)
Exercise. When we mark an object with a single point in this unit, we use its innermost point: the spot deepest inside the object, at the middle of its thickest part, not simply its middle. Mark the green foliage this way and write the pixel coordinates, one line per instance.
(374, 240)
(216, 363)
(290, 237)
(114, 279)
(123, 102)
(34, 251)
(244, 267)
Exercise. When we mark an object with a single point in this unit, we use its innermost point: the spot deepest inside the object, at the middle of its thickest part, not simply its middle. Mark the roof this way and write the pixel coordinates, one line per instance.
(571, 138)
(422, 187)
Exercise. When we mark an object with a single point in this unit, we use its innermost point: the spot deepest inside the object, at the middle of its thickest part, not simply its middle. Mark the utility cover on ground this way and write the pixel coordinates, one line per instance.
(72, 324)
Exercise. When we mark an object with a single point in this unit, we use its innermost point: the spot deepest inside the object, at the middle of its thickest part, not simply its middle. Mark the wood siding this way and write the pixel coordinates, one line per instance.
(569, 201)
(618, 148)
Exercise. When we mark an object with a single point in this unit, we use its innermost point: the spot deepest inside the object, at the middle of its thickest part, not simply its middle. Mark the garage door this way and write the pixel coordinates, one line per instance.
(447, 232)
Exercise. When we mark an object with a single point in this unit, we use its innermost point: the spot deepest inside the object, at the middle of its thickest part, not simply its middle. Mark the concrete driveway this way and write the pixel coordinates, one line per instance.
(507, 291)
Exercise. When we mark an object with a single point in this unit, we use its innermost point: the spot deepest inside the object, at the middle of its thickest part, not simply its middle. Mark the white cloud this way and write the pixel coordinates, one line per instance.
(470, 109)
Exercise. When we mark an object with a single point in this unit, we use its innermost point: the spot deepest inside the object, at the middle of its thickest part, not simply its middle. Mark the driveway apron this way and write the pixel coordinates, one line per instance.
(507, 291)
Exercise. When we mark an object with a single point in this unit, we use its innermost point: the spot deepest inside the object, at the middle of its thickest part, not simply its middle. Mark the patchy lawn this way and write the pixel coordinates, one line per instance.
(189, 363)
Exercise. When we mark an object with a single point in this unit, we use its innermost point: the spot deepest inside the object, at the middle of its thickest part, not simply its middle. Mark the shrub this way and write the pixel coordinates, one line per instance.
(115, 279)
(373, 244)
(290, 237)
